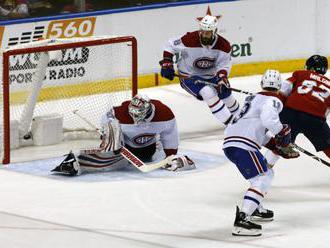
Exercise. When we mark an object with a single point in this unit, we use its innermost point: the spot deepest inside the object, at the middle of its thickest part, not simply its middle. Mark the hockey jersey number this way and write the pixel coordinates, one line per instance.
(321, 92)
(244, 109)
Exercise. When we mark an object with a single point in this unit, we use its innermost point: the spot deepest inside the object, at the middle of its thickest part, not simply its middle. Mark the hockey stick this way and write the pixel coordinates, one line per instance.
(129, 156)
(311, 155)
(208, 83)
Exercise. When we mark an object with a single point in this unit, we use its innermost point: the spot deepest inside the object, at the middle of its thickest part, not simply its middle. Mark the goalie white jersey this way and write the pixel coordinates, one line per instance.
(161, 123)
(259, 115)
(119, 126)
(198, 60)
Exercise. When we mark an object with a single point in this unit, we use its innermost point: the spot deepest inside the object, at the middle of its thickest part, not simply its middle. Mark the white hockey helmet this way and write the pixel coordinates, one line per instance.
(140, 108)
(271, 80)
(208, 29)
(209, 23)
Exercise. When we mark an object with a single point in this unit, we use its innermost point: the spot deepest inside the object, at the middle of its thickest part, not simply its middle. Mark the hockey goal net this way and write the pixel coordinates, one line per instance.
(45, 82)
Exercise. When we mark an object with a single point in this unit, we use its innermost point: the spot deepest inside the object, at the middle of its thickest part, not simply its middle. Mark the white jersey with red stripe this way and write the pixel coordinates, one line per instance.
(259, 115)
(196, 59)
(161, 123)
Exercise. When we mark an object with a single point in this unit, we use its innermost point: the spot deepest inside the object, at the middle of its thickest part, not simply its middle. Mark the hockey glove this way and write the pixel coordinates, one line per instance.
(283, 138)
(180, 163)
(285, 152)
(167, 70)
(221, 79)
(222, 85)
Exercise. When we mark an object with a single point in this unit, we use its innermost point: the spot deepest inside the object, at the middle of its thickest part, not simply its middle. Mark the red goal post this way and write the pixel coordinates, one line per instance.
(105, 72)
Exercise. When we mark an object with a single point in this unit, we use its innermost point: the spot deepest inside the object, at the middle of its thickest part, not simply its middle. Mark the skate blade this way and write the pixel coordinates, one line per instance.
(76, 167)
(257, 218)
(239, 231)
(63, 173)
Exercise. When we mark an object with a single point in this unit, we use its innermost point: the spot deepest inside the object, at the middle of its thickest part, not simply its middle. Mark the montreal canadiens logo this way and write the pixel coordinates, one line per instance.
(204, 63)
(143, 139)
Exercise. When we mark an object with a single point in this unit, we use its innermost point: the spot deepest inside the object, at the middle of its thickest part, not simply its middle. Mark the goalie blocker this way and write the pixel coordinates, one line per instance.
(116, 151)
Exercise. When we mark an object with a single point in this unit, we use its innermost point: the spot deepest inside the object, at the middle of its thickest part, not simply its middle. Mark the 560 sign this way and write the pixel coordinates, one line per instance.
(81, 27)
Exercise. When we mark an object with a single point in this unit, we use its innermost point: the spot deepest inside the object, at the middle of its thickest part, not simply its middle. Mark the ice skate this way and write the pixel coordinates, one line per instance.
(69, 166)
(262, 214)
(244, 227)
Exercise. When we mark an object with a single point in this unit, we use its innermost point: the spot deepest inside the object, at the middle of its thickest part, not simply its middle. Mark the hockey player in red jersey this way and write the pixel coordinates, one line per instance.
(307, 103)
(204, 64)
(137, 125)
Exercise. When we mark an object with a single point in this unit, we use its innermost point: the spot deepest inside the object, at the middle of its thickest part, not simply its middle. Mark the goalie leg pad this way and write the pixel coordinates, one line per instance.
(180, 163)
(112, 136)
(101, 161)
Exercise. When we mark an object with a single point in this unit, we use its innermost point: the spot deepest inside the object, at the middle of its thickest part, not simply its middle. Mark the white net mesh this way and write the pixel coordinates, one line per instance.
(90, 79)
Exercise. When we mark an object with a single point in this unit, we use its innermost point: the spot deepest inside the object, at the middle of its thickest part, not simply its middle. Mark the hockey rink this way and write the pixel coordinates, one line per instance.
(188, 209)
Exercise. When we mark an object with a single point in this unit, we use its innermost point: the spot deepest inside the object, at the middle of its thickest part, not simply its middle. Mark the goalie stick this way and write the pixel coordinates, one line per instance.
(129, 156)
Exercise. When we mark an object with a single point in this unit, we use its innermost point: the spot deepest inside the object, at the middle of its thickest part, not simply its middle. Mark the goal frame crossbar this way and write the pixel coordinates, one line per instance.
(53, 47)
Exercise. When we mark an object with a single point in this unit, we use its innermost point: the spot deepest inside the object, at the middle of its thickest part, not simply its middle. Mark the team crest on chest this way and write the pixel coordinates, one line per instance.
(143, 139)
(204, 63)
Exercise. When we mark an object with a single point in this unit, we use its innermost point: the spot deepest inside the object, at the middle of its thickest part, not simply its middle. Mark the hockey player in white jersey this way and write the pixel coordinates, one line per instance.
(257, 125)
(204, 64)
(137, 125)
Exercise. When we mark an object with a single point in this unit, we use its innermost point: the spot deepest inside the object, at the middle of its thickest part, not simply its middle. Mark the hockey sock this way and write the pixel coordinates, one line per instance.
(271, 158)
(252, 199)
(260, 184)
(216, 105)
(231, 103)
(218, 109)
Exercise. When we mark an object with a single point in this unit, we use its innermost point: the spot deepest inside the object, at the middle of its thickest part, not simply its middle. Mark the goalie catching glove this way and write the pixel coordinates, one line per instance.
(180, 163)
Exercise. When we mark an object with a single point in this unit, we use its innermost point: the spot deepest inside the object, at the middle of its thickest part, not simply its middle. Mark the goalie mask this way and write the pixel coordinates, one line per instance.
(271, 80)
(208, 29)
(140, 108)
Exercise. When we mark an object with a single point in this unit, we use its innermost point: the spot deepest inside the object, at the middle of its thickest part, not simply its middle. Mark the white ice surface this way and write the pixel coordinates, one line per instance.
(162, 209)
